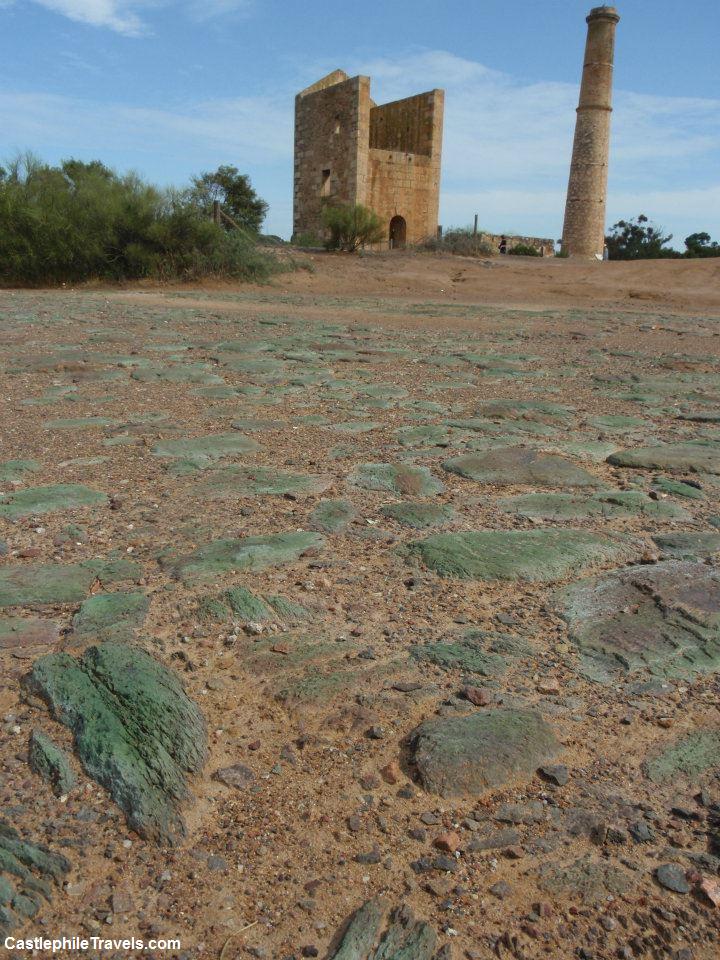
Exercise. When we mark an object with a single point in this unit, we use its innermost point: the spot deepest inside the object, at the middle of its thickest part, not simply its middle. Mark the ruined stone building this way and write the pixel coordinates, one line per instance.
(350, 150)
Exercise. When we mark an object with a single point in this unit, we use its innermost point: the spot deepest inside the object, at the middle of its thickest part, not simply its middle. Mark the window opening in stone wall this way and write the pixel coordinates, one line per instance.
(325, 186)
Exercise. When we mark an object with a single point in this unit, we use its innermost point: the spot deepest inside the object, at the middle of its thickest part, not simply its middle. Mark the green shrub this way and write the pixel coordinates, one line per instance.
(81, 221)
(461, 241)
(351, 226)
(308, 240)
(524, 250)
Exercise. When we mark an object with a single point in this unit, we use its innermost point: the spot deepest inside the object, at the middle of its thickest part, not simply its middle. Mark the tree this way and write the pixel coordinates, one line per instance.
(351, 226)
(699, 245)
(234, 192)
(638, 240)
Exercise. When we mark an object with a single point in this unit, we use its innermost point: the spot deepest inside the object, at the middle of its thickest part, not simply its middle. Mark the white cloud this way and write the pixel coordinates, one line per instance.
(114, 14)
(127, 17)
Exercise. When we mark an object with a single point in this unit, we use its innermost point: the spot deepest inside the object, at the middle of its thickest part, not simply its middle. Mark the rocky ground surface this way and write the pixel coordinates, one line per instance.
(359, 627)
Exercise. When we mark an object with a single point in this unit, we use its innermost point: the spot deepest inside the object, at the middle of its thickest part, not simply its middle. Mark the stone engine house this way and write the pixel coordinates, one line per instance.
(350, 150)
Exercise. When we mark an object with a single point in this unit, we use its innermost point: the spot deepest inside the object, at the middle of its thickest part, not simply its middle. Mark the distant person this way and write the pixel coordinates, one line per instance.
(503, 245)
(606, 252)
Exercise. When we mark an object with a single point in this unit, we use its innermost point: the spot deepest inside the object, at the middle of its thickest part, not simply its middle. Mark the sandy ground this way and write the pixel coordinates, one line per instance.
(406, 360)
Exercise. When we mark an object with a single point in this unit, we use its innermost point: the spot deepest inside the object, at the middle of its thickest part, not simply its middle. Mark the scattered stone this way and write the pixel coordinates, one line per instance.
(672, 877)
(237, 776)
(469, 755)
(556, 773)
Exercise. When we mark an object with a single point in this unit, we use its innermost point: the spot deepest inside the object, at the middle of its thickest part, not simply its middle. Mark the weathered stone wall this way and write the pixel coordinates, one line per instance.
(331, 128)
(385, 157)
(545, 246)
(584, 228)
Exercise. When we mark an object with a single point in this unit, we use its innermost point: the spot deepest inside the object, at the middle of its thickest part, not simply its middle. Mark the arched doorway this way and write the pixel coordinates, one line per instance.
(398, 232)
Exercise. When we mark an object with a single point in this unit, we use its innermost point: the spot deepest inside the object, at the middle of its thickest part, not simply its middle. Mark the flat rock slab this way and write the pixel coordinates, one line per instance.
(18, 632)
(372, 935)
(531, 555)
(205, 449)
(401, 479)
(688, 546)
(418, 515)
(468, 755)
(516, 466)
(186, 373)
(699, 456)
(13, 471)
(662, 619)
(235, 481)
(111, 616)
(688, 757)
(249, 553)
(333, 516)
(28, 873)
(588, 879)
(32, 501)
(136, 731)
(566, 506)
(60, 582)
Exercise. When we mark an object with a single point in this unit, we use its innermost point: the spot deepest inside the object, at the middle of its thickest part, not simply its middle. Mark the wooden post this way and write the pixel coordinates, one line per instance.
(216, 212)
(475, 226)
(439, 231)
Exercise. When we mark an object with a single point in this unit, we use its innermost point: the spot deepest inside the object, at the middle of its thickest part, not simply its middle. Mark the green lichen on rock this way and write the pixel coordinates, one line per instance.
(419, 516)
(401, 479)
(372, 936)
(426, 436)
(688, 546)
(661, 619)
(608, 504)
(696, 456)
(136, 731)
(183, 373)
(60, 582)
(248, 553)
(688, 757)
(676, 488)
(589, 879)
(28, 872)
(236, 481)
(461, 756)
(111, 616)
(80, 423)
(333, 516)
(205, 450)
(51, 763)
(532, 555)
(469, 654)
(515, 466)
(246, 606)
(13, 471)
(32, 501)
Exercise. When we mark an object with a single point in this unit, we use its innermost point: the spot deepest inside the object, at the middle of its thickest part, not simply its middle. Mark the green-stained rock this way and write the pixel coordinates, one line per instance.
(333, 516)
(676, 488)
(661, 619)
(588, 879)
(688, 757)
(235, 481)
(32, 501)
(468, 654)
(461, 756)
(60, 582)
(612, 423)
(428, 436)
(516, 466)
(111, 616)
(203, 450)
(401, 479)
(245, 605)
(419, 516)
(28, 872)
(249, 553)
(698, 456)
(26, 632)
(370, 936)
(566, 506)
(526, 409)
(688, 546)
(184, 373)
(80, 423)
(136, 731)
(288, 610)
(13, 471)
(532, 555)
(356, 426)
(51, 763)
(253, 424)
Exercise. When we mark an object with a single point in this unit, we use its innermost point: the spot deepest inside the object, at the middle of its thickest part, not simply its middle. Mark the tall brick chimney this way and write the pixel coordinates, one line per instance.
(584, 229)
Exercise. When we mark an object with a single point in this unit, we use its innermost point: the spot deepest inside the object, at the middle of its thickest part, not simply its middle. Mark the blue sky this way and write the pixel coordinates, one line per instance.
(172, 87)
